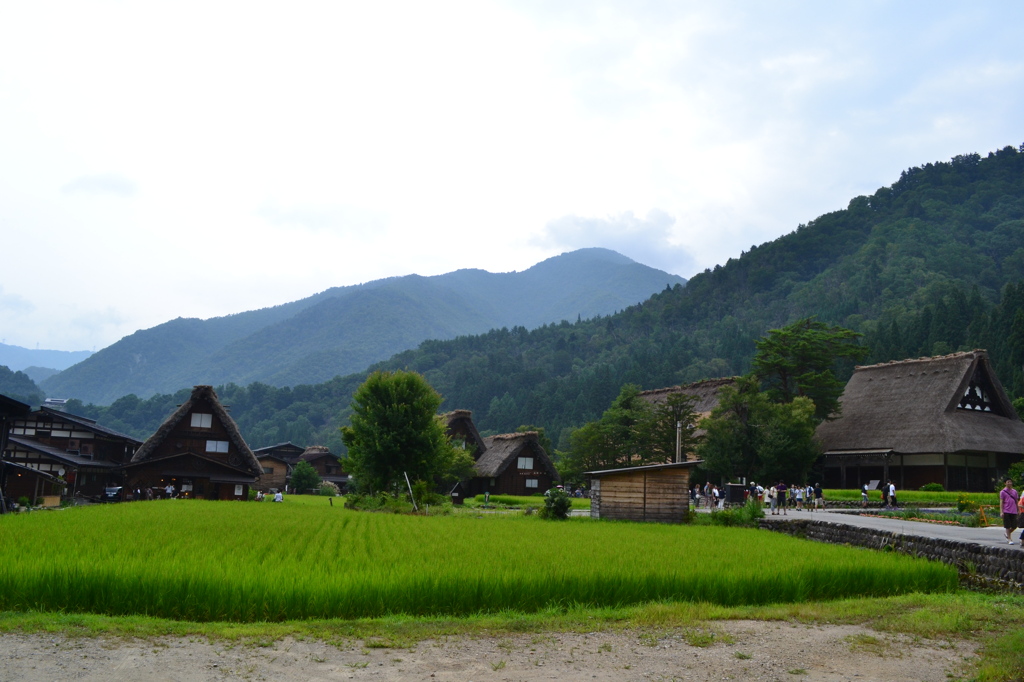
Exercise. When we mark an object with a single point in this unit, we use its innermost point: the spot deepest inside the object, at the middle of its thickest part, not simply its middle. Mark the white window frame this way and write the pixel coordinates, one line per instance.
(531, 483)
(217, 445)
(526, 463)
(202, 420)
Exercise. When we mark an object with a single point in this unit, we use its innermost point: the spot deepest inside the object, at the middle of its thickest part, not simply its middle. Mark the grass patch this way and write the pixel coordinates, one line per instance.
(521, 502)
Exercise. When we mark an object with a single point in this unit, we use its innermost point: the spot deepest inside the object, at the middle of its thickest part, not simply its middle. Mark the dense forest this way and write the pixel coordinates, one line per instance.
(929, 265)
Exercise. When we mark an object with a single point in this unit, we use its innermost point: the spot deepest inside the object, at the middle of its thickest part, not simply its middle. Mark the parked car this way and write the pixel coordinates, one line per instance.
(112, 494)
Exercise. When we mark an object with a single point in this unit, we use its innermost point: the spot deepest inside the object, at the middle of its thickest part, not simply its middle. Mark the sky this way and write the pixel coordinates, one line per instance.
(197, 159)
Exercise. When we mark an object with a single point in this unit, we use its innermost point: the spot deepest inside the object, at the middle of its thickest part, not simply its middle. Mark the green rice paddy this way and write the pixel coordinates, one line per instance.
(245, 562)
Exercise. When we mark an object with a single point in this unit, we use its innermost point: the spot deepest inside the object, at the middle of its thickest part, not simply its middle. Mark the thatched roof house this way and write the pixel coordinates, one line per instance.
(199, 451)
(508, 464)
(943, 419)
(461, 427)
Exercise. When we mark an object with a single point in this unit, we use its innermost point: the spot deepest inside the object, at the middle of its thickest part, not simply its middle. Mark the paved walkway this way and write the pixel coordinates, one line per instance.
(991, 535)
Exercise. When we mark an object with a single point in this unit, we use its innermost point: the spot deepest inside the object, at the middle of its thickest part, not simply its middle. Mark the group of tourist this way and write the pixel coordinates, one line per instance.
(778, 497)
(1012, 507)
(782, 497)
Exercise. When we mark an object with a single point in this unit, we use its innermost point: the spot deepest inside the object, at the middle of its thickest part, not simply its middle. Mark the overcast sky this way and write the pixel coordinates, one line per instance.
(198, 159)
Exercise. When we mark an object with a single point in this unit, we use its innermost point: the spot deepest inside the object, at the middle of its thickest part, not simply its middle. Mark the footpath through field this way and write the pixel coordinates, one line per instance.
(991, 536)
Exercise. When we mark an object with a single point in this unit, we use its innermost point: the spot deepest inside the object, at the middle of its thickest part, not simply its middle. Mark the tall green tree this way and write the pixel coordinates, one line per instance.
(304, 478)
(395, 431)
(632, 432)
(750, 436)
(800, 360)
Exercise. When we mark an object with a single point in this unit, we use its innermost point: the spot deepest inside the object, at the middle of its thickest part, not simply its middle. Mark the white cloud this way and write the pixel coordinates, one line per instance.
(101, 184)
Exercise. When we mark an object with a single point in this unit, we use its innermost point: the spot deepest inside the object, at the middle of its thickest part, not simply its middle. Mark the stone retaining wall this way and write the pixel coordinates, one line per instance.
(1004, 565)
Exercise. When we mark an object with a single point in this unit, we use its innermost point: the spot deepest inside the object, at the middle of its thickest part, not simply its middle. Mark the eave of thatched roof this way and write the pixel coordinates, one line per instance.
(911, 406)
(507, 448)
(314, 452)
(706, 392)
(201, 394)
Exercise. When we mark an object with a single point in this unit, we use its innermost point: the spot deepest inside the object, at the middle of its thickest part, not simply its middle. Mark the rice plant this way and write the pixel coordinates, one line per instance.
(197, 560)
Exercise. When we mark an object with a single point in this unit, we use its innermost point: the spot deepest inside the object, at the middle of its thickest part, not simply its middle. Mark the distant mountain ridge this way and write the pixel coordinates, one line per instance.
(18, 359)
(345, 329)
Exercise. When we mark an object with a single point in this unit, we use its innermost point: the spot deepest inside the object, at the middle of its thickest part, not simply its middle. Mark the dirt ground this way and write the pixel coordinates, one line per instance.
(741, 650)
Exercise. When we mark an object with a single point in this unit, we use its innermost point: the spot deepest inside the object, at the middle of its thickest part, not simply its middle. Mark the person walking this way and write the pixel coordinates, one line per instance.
(773, 500)
(864, 496)
(799, 490)
(1009, 499)
(819, 497)
(892, 494)
(781, 490)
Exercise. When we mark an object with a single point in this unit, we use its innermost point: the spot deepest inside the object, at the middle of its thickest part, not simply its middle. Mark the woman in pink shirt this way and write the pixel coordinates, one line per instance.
(1009, 497)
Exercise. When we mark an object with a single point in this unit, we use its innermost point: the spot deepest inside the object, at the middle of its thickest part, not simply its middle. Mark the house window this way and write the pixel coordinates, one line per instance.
(216, 446)
(202, 421)
(268, 470)
(531, 483)
(526, 462)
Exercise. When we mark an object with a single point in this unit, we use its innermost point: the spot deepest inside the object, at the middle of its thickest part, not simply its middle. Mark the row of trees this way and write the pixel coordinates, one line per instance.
(762, 428)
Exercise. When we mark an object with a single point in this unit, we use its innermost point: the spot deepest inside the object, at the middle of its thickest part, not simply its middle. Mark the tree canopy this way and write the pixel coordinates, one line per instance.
(304, 478)
(751, 437)
(395, 431)
(631, 432)
(800, 359)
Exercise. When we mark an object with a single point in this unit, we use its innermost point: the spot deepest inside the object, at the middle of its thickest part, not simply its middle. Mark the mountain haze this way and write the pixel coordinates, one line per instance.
(345, 329)
(17, 358)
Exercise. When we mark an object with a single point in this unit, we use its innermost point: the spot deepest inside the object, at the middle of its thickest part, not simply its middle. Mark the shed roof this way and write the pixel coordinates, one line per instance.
(647, 467)
(201, 394)
(949, 403)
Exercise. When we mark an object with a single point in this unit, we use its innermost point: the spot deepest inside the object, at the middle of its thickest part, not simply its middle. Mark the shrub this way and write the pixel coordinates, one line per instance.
(964, 503)
(23, 501)
(746, 516)
(329, 489)
(933, 488)
(556, 505)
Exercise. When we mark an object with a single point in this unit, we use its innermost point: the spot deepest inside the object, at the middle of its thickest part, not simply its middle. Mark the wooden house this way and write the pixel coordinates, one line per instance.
(326, 464)
(512, 464)
(940, 420)
(18, 480)
(657, 492)
(276, 472)
(10, 410)
(199, 451)
(87, 455)
(287, 452)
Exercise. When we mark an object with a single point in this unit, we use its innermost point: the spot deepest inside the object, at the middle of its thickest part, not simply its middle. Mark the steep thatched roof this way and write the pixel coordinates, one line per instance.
(201, 395)
(706, 392)
(503, 450)
(951, 403)
(316, 452)
(460, 423)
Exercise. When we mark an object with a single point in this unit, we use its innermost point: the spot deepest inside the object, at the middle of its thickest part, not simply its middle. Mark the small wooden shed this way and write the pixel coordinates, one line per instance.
(657, 492)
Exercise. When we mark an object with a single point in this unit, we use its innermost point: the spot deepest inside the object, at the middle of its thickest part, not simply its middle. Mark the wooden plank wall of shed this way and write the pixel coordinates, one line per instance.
(646, 496)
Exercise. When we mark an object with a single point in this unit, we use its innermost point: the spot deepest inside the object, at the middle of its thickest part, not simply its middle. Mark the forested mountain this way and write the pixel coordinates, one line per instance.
(931, 264)
(344, 330)
(19, 386)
